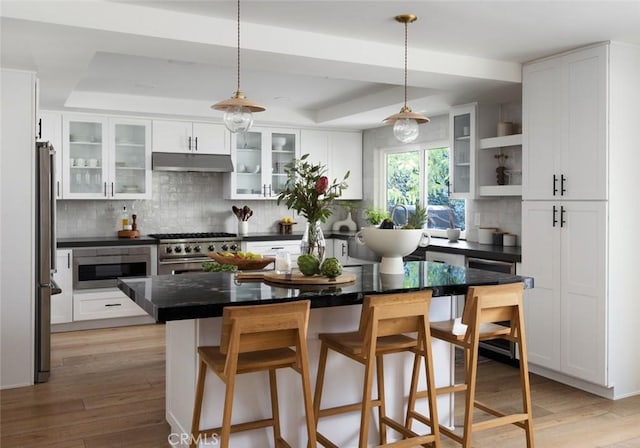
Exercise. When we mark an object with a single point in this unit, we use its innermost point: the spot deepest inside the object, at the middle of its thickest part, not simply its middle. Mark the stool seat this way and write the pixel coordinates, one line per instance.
(384, 323)
(249, 362)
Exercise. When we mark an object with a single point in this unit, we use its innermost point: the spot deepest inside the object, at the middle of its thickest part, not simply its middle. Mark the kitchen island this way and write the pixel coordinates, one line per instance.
(191, 305)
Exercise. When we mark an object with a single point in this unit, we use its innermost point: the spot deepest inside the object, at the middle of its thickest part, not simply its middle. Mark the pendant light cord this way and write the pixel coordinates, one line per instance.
(406, 34)
(238, 54)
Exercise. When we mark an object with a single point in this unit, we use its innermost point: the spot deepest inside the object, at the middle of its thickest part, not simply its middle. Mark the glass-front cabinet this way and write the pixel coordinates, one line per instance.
(463, 151)
(106, 158)
(260, 156)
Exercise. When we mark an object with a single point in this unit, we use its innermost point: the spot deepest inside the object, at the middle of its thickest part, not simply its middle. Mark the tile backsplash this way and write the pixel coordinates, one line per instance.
(182, 202)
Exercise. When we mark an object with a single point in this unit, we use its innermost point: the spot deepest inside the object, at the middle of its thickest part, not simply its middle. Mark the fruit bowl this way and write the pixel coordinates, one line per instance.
(392, 245)
(243, 264)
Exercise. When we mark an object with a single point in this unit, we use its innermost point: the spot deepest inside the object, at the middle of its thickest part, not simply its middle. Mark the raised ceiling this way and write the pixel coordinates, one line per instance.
(312, 63)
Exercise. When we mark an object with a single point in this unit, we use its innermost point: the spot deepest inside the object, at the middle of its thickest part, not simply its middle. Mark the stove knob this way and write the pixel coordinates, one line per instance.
(233, 247)
(225, 247)
(196, 249)
(168, 250)
(187, 249)
(177, 249)
(211, 248)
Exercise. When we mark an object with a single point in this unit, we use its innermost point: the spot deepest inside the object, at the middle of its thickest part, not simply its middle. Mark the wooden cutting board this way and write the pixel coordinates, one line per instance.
(296, 278)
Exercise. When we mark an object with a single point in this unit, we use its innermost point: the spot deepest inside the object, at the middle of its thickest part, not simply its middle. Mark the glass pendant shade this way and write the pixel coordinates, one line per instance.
(405, 130)
(238, 119)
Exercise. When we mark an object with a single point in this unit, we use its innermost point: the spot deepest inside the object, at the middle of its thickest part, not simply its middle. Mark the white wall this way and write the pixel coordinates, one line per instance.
(17, 167)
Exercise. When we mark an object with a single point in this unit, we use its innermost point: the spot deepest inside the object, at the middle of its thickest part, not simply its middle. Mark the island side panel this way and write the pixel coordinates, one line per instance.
(343, 381)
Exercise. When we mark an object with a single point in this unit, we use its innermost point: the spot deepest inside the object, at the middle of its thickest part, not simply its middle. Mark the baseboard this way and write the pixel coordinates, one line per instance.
(602, 391)
(102, 323)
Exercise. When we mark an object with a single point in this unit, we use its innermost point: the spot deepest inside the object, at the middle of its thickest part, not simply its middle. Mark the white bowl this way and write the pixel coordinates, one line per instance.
(453, 234)
(278, 142)
(392, 245)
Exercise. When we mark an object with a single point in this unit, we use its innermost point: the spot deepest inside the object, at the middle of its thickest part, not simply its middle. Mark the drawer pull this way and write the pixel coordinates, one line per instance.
(113, 304)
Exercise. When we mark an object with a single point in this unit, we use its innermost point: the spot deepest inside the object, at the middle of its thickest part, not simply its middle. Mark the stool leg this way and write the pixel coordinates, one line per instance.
(413, 390)
(431, 388)
(381, 397)
(197, 404)
(524, 381)
(471, 357)
(365, 415)
(317, 396)
(275, 412)
(225, 432)
(306, 393)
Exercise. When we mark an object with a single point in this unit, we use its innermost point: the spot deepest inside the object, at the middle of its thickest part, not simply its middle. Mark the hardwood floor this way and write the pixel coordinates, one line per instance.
(107, 390)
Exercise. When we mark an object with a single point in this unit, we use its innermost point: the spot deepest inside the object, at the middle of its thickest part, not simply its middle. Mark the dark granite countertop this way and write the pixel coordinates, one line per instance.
(469, 249)
(68, 243)
(201, 295)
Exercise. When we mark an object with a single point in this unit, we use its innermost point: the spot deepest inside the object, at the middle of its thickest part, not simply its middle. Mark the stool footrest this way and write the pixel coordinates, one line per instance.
(345, 408)
(238, 427)
(322, 440)
(281, 443)
(513, 419)
(409, 443)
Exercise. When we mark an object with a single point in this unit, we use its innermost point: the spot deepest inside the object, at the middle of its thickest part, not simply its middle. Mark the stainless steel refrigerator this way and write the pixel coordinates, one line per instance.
(45, 256)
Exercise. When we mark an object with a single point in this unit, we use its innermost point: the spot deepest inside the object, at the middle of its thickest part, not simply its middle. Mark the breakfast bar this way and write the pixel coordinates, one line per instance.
(191, 306)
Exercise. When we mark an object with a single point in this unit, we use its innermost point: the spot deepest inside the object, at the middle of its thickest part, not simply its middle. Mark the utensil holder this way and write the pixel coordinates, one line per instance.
(243, 228)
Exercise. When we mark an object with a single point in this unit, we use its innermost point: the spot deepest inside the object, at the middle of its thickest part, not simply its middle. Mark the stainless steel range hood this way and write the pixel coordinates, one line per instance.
(176, 161)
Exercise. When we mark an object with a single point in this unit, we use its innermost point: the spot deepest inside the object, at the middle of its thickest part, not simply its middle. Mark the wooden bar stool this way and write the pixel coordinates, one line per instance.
(383, 323)
(256, 338)
(485, 306)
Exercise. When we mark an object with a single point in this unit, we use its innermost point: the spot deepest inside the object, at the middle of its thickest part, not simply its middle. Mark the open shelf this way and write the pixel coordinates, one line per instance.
(499, 142)
(500, 190)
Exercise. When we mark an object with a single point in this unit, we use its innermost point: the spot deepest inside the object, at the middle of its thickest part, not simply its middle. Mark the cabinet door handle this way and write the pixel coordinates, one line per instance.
(562, 181)
(562, 220)
(113, 304)
(105, 189)
(264, 189)
(112, 189)
(57, 189)
(270, 192)
(555, 181)
(555, 221)
(68, 260)
(196, 140)
(189, 143)
(40, 129)
(344, 250)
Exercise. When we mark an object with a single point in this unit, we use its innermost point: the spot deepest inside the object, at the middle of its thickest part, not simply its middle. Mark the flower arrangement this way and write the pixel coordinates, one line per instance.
(308, 190)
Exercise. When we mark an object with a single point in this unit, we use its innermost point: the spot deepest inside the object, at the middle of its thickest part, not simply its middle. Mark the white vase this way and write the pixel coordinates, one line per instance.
(346, 225)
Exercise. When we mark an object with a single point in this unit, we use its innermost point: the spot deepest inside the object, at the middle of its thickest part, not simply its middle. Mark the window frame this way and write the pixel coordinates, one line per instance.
(380, 172)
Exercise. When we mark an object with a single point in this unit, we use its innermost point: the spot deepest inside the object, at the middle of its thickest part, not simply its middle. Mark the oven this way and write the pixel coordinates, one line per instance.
(100, 267)
(499, 349)
(181, 253)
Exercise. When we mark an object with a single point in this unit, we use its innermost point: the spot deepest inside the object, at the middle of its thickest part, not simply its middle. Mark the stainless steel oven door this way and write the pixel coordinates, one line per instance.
(101, 267)
(180, 267)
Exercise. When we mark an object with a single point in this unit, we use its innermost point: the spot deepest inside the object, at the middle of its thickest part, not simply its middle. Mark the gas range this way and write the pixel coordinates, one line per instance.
(192, 247)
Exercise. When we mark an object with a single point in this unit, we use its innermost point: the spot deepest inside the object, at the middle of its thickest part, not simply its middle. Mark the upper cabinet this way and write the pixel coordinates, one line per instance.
(340, 152)
(259, 158)
(106, 158)
(463, 136)
(188, 137)
(565, 120)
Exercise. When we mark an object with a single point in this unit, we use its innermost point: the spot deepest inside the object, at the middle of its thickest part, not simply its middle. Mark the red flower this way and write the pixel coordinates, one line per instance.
(322, 185)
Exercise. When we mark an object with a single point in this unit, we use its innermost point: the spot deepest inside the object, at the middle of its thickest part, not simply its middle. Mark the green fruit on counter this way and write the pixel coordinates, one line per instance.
(331, 267)
(308, 264)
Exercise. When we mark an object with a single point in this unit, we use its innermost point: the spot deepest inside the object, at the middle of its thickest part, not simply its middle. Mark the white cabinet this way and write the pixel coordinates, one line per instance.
(339, 152)
(49, 129)
(62, 304)
(341, 250)
(462, 160)
(269, 248)
(564, 125)
(104, 303)
(106, 158)
(444, 257)
(260, 156)
(566, 328)
(188, 137)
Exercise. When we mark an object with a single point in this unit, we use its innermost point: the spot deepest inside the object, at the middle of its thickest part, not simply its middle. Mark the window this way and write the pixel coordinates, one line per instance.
(421, 175)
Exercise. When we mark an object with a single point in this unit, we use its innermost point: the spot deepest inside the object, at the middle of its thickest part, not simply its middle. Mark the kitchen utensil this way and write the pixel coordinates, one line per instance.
(237, 212)
(250, 214)
(245, 212)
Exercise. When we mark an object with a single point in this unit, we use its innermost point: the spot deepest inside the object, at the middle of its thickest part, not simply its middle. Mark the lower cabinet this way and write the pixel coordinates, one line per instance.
(269, 248)
(104, 304)
(62, 304)
(564, 248)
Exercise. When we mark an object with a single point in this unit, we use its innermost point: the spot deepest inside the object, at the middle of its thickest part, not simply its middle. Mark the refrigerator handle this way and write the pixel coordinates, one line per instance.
(52, 207)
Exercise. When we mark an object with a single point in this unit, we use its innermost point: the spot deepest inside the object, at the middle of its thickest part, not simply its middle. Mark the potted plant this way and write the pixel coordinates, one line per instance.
(375, 215)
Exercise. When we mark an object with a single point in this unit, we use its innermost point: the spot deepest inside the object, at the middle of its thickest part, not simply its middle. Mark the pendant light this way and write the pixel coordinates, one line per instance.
(238, 111)
(405, 123)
